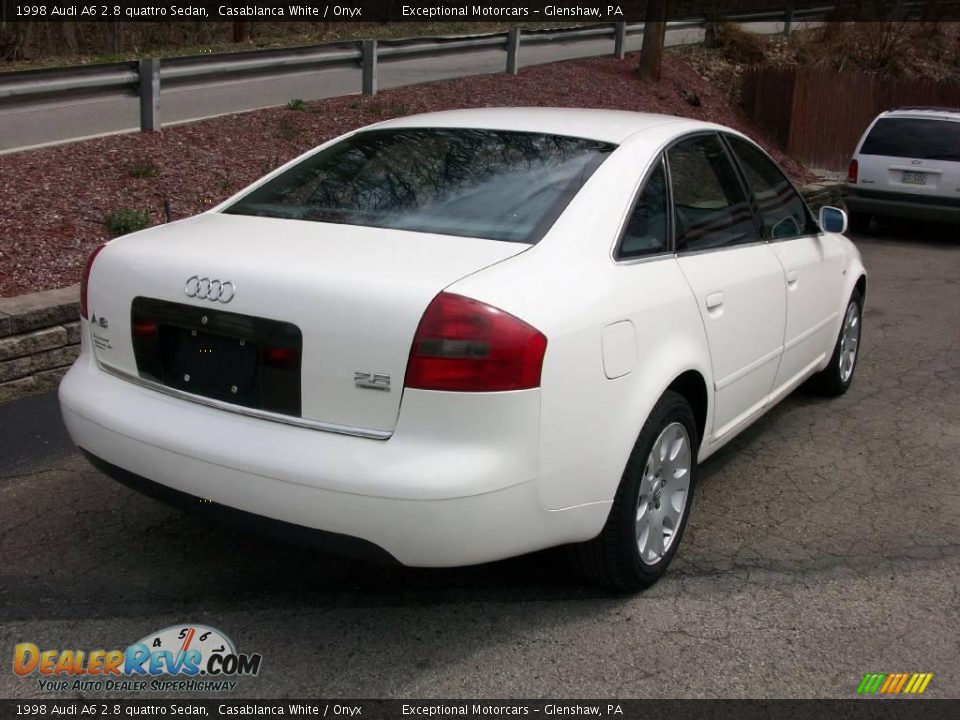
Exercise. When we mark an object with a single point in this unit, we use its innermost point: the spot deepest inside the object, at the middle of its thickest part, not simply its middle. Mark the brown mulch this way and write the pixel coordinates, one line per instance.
(54, 200)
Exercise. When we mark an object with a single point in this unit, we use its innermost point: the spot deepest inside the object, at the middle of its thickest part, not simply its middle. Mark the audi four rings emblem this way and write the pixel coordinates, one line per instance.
(203, 288)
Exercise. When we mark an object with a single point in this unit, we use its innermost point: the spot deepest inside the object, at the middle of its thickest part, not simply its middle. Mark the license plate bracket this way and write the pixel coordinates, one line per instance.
(208, 364)
(239, 359)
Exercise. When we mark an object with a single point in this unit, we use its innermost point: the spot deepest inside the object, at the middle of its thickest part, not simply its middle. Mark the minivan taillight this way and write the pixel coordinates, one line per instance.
(853, 172)
(85, 279)
(464, 345)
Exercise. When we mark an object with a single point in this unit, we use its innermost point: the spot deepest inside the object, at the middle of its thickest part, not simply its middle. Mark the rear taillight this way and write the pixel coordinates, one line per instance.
(464, 345)
(85, 279)
(853, 171)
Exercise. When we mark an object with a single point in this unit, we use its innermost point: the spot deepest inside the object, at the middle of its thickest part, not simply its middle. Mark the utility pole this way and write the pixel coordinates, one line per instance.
(654, 32)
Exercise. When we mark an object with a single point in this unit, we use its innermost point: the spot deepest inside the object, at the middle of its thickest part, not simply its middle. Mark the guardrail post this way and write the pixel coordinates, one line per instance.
(149, 71)
(787, 19)
(620, 41)
(513, 51)
(369, 67)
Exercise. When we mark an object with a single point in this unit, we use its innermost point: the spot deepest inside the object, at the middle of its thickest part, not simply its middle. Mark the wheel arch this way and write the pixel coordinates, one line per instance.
(692, 386)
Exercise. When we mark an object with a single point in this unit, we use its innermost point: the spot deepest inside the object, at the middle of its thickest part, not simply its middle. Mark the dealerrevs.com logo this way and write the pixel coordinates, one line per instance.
(187, 658)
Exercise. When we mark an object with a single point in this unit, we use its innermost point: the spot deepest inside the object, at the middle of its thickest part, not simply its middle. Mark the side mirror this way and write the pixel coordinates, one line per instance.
(833, 219)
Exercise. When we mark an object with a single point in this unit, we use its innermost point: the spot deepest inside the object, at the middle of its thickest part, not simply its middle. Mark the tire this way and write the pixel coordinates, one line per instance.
(836, 378)
(619, 557)
(858, 223)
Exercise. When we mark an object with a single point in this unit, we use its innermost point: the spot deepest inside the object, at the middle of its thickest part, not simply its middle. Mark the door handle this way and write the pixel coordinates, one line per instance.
(714, 300)
(792, 277)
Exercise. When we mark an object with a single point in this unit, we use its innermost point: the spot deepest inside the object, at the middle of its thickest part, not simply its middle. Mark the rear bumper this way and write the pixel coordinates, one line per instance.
(901, 205)
(444, 490)
(319, 539)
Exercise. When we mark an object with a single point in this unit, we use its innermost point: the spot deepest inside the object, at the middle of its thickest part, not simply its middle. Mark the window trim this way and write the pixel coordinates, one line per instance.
(659, 159)
(726, 137)
(757, 222)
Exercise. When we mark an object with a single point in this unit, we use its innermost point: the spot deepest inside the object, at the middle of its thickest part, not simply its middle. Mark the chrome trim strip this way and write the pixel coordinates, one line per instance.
(720, 248)
(248, 412)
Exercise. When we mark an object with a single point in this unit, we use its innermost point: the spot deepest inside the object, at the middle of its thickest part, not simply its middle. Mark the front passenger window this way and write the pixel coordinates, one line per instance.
(784, 213)
(710, 205)
(646, 231)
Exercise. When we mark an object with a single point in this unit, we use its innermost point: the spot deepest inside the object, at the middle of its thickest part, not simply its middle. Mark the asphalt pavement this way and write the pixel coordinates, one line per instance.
(824, 543)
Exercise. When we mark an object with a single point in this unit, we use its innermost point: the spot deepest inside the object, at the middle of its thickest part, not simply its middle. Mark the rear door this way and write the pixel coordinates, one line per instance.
(738, 282)
(919, 156)
(812, 263)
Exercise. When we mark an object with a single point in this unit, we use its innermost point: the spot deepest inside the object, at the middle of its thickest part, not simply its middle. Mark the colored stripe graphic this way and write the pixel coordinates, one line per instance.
(903, 680)
(894, 684)
(890, 682)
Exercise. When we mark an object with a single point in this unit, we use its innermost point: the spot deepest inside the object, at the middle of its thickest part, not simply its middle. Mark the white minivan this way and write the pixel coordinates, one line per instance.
(906, 165)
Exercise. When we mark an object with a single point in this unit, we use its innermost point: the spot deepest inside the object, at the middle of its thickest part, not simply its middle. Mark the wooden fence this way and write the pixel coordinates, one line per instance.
(817, 116)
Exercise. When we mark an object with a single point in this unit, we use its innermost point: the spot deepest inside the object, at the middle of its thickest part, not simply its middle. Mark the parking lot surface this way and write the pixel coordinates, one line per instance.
(824, 543)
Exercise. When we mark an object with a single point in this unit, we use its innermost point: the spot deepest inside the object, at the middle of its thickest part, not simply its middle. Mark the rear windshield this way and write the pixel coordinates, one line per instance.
(475, 183)
(914, 138)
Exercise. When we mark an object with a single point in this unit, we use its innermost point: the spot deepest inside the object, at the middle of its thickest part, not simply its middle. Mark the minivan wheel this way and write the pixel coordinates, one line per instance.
(652, 503)
(858, 222)
(835, 379)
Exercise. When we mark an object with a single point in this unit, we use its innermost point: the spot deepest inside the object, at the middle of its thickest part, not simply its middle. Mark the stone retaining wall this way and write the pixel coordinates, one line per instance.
(39, 339)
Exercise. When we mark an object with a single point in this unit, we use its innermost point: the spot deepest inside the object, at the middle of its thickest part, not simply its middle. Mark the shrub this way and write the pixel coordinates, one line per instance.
(297, 105)
(122, 222)
(143, 168)
(737, 45)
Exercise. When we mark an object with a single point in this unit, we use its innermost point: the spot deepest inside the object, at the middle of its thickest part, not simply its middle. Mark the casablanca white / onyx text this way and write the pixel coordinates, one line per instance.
(457, 337)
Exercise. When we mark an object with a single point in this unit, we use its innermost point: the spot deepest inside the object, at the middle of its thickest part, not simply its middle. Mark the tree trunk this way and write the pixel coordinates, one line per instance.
(654, 32)
(114, 33)
(69, 32)
(240, 31)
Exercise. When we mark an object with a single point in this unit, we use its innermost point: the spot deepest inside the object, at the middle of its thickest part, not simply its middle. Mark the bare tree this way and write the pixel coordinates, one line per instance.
(241, 31)
(654, 32)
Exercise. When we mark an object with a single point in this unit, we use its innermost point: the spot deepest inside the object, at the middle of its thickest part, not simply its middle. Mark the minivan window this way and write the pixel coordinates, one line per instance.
(492, 184)
(710, 205)
(920, 138)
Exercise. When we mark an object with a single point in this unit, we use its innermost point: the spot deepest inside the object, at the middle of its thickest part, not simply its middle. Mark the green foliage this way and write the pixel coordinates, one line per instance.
(143, 168)
(124, 221)
(297, 105)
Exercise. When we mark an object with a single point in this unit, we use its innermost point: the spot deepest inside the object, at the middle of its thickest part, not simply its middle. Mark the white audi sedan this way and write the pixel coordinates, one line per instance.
(457, 337)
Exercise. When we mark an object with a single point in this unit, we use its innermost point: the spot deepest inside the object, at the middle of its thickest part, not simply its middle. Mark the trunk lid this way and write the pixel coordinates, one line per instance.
(356, 294)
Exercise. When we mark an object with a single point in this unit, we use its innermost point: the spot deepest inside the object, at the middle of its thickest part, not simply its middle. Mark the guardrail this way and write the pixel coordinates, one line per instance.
(146, 78)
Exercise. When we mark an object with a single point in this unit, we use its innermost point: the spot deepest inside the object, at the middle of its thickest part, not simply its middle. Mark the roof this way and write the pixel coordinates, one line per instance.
(613, 126)
(943, 113)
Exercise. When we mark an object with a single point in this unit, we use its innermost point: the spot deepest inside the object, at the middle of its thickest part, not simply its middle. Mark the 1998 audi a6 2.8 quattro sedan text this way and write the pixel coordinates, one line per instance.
(457, 337)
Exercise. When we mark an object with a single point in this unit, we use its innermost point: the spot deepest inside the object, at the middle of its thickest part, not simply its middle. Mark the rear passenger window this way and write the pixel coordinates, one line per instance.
(709, 202)
(646, 231)
(783, 212)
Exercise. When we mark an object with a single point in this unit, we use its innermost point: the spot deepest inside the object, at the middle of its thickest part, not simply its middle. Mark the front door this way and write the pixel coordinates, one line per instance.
(812, 265)
(737, 280)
